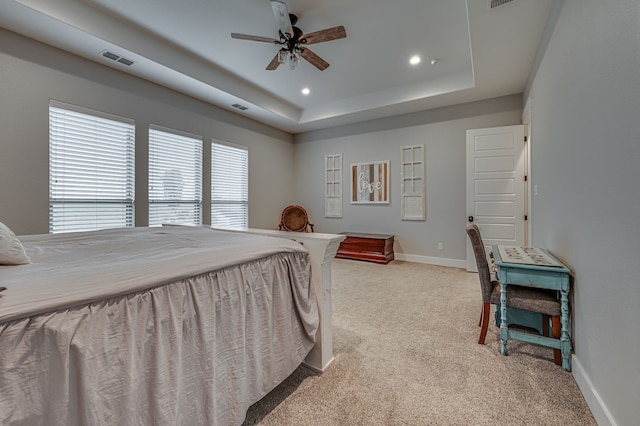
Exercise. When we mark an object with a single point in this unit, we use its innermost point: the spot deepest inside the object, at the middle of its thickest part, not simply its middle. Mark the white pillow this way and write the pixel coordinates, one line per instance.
(11, 250)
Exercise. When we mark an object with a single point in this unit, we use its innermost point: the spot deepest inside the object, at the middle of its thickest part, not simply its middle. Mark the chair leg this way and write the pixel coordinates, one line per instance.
(484, 322)
(555, 333)
(545, 325)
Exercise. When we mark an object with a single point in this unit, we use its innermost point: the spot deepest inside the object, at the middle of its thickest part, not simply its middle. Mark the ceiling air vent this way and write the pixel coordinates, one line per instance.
(240, 107)
(495, 3)
(127, 62)
(117, 58)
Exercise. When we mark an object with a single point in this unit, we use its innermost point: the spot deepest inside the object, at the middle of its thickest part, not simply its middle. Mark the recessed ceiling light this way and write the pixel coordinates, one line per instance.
(434, 61)
(415, 60)
(306, 91)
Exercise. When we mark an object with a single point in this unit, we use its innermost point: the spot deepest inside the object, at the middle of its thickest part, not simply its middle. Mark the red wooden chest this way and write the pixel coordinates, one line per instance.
(370, 247)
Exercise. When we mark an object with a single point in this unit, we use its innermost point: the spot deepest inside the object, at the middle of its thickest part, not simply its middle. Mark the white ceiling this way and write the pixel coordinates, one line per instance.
(186, 45)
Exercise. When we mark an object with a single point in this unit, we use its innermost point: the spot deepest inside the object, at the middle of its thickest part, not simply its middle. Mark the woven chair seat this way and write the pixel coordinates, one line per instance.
(528, 299)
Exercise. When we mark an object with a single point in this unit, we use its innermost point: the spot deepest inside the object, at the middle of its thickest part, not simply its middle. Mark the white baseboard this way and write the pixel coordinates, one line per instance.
(441, 261)
(598, 408)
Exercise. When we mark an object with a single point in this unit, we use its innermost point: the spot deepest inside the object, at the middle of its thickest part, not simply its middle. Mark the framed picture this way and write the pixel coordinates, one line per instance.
(370, 182)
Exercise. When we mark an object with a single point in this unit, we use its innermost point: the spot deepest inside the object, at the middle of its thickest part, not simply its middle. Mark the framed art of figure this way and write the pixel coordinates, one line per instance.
(370, 182)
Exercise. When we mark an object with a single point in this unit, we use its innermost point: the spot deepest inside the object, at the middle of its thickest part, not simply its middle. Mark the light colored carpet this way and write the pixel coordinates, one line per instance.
(406, 353)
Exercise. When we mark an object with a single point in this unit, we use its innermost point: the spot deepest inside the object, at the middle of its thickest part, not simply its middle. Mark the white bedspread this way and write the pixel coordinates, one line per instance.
(172, 325)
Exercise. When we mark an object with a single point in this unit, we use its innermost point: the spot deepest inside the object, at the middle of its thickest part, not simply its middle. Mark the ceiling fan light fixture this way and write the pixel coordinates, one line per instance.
(294, 58)
(282, 56)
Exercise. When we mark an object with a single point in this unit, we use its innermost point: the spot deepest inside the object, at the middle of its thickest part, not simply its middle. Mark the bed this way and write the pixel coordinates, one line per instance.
(172, 325)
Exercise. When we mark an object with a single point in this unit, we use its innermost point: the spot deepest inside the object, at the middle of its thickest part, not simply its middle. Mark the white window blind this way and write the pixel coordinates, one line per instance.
(175, 177)
(229, 186)
(91, 169)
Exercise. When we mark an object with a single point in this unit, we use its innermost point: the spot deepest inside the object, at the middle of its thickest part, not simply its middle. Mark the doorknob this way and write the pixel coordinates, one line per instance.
(470, 218)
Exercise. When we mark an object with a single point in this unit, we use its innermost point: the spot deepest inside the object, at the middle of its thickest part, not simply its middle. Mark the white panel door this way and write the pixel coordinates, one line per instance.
(496, 186)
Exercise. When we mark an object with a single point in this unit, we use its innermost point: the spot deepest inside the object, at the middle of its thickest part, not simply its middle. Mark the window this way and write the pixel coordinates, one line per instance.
(333, 185)
(229, 186)
(175, 177)
(91, 169)
(413, 183)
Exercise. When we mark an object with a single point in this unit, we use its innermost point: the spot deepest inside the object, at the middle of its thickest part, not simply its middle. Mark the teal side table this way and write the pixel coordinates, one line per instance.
(532, 320)
(548, 277)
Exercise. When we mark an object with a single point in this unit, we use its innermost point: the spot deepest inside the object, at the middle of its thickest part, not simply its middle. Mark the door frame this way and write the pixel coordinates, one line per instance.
(526, 120)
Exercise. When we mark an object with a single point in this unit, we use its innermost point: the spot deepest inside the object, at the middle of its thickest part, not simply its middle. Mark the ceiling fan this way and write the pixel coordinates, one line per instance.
(293, 40)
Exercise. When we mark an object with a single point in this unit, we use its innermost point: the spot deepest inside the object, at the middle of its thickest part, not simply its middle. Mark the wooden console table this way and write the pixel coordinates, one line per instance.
(548, 277)
(370, 247)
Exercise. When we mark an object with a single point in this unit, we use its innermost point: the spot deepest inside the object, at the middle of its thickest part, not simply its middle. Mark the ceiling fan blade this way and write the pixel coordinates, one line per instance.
(313, 59)
(254, 38)
(329, 34)
(273, 64)
(282, 16)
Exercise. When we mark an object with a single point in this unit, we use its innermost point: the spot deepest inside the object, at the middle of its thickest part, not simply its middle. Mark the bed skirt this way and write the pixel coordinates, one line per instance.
(198, 351)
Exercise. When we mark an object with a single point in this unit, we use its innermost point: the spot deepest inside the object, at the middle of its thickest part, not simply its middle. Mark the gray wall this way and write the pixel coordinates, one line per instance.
(585, 101)
(443, 133)
(32, 73)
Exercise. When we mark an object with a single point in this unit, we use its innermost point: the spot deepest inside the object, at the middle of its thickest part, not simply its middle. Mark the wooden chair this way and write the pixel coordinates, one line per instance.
(295, 218)
(542, 301)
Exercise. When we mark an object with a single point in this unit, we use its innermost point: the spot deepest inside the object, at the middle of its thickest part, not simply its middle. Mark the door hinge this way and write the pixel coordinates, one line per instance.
(526, 178)
(526, 217)
(525, 138)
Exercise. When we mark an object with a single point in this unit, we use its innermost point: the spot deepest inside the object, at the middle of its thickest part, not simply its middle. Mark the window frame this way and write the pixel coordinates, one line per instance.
(161, 206)
(75, 134)
(242, 201)
(333, 185)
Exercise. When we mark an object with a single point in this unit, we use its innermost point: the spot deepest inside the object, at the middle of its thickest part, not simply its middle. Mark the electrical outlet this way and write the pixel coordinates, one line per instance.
(440, 245)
